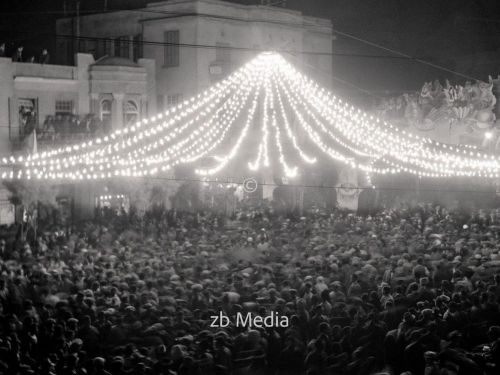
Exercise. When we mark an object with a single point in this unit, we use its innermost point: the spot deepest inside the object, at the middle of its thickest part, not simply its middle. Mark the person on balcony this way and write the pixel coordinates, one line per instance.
(18, 56)
(44, 57)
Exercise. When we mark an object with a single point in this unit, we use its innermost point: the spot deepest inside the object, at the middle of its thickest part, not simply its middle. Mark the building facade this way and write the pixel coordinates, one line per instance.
(197, 42)
(113, 91)
(56, 105)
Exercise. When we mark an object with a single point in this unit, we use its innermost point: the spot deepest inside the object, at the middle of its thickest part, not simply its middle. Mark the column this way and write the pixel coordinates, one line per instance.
(269, 185)
(145, 111)
(94, 104)
(117, 115)
(14, 118)
(496, 92)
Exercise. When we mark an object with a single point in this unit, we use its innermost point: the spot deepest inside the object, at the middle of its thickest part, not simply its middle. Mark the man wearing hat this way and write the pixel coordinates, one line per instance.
(99, 368)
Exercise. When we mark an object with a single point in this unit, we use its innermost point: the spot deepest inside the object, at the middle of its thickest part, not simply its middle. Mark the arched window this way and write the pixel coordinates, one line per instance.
(106, 111)
(130, 113)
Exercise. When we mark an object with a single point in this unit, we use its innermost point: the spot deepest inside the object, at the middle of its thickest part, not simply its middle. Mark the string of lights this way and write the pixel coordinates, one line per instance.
(260, 97)
(405, 147)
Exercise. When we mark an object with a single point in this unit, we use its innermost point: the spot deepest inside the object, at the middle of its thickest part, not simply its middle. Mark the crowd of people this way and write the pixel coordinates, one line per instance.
(70, 127)
(17, 55)
(60, 127)
(406, 291)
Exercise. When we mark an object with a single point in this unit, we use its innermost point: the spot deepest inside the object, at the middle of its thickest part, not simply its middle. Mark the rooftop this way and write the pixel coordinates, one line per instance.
(116, 61)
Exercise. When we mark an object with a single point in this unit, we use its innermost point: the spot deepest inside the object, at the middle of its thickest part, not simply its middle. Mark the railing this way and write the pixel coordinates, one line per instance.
(69, 129)
(60, 130)
(45, 71)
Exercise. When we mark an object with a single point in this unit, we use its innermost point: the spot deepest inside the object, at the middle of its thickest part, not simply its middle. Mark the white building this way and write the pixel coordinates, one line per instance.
(67, 104)
(114, 90)
(196, 42)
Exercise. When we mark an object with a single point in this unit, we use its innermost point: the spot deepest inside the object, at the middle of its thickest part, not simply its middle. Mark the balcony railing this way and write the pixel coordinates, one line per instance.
(69, 129)
(45, 71)
(59, 130)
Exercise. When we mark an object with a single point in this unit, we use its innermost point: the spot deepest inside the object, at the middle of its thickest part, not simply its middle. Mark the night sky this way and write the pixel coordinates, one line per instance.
(462, 35)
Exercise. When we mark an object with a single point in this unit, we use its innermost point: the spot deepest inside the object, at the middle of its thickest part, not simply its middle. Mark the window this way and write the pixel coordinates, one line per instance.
(138, 53)
(130, 113)
(173, 100)
(91, 47)
(122, 47)
(160, 102)
(103, 48)
(64, 107)
(106, 111)
(222, 52)
(171, 39)
(166, 101)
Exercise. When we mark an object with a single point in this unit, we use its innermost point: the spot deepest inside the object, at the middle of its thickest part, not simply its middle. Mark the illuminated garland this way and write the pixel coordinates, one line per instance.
(262, 98)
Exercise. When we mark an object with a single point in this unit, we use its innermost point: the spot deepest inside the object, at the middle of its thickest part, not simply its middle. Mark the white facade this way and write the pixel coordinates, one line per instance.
(196, 42)
(66, 104)
(50, 90)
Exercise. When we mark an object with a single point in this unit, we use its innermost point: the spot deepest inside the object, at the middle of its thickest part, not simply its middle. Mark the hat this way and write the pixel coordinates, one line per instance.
(454, 335)
(99, 360)
(197, 287)
(430, 355)
(424, 280)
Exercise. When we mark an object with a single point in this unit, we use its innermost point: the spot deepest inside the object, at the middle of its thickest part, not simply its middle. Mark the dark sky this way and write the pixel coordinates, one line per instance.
(461, 35)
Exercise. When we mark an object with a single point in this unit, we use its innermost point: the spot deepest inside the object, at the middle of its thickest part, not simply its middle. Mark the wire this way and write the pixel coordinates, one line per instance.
(289, 52)
(205, 46)
(404, 55)
(365, 91)
(483, 19)
(150, 10)
(400, 55)
(229, 180)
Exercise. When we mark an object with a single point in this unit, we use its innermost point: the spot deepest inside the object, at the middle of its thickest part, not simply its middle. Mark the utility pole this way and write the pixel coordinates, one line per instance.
(78, 22)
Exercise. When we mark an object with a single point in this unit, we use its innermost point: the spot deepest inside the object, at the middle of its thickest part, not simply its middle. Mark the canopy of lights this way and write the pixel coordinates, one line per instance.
(267, 99)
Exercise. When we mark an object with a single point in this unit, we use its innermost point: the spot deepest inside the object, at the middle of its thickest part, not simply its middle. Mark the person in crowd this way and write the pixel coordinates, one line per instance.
(69, 127)
(363, 295)
(3, 52)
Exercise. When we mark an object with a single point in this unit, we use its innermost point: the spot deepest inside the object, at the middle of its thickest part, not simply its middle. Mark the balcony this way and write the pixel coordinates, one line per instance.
(57, 131)
(60, 130)
(44, 71)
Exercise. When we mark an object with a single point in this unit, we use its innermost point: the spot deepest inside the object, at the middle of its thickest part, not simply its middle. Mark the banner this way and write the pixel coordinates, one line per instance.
(348, 190)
